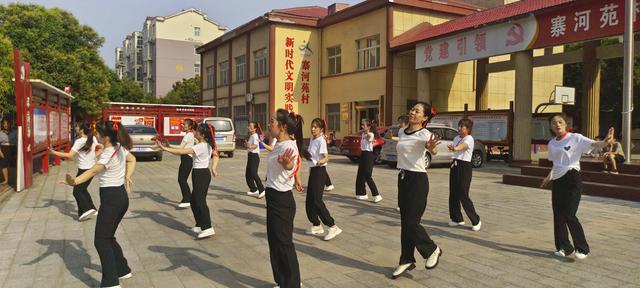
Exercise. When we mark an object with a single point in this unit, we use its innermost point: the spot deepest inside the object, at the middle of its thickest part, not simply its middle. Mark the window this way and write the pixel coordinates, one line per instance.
(139, 74)
(260, 112)
(221, 125)
(240, 119)
(240, 65)
(224, 73)
(260, 63)
(196, 68)
(368, 52)
(196, 31)
(449, 134)
(335, 60)
(333, 117)
(210, 77)
(223, 112)
(139, 41)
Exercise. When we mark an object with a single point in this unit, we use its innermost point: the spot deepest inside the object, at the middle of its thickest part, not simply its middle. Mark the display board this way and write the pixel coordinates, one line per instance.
(173, 125)
(40, 126)
(64, 126)
(134, 120)
(54, 127)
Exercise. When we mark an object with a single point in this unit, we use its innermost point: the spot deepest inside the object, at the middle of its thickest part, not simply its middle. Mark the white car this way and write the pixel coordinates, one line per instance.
(446, 133)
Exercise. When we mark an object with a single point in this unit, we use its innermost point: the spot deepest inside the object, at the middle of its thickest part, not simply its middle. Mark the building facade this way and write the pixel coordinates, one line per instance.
(339, 63)
(167, 48)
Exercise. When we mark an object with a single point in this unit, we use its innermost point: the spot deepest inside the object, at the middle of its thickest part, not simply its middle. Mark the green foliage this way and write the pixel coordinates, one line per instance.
(125, 90)
(61, 51)
(6, 73)
(186, 91)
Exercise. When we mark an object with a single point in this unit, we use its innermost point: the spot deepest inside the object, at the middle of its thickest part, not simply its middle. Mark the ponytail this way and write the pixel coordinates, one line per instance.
(209, 135)
(116, 133)
(86, 129)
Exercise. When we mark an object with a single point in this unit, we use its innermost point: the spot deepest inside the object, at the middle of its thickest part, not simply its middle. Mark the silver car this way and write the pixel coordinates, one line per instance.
(446, 133)
(225, 134)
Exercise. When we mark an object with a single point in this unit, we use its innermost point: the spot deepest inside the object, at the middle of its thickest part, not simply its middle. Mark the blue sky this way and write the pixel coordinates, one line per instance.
(114, 19)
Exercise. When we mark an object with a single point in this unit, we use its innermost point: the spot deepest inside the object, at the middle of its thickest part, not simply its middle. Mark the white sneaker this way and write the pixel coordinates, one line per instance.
(581, 256)
(184, 205)
(333, 232)
(403, 268)
(377, 199)
(253, 194)
(433, 260)
(398, 209)
(206, 233)
(87, 215)
(454, 224)
(126, 276)
(329, 188)
(362, 197)
(261, 195)
(196, 229)
(315, 230)
(477, 227)
(561, 253)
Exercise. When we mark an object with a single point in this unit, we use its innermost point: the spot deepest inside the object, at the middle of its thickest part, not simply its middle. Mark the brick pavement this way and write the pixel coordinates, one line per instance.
(42, 245)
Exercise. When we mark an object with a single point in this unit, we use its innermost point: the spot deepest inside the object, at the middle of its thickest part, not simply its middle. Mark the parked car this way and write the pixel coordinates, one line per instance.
(350, 146)
(225, 134)
(144, 140)
(388, 153)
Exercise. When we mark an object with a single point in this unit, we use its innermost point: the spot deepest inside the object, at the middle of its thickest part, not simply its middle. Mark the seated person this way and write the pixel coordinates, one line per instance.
(613, 153)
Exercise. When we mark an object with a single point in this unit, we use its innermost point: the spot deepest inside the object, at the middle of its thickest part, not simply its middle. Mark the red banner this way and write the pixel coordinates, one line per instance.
(586, 20)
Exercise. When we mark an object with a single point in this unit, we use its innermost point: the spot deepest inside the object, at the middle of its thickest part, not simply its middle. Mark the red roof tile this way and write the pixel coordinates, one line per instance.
(307, 11)
(426, 31)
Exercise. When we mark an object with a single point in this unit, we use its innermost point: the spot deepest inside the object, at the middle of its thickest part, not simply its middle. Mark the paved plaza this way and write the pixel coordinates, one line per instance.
(42, 244)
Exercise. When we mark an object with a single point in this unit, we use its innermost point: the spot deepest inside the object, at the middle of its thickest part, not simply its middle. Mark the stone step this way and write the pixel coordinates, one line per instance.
(589, 188)
(589, 176)
(598, 166)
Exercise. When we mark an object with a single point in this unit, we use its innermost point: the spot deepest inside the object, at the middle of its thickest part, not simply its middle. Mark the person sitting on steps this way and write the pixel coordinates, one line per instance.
(613, 153)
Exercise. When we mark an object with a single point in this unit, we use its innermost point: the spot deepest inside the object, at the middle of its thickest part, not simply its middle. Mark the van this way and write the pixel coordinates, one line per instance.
(225, 134)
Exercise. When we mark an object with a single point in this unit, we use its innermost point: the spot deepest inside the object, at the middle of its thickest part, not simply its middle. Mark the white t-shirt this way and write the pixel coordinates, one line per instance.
(464, 155)
(86, 159)
(254, 140)
(566, 153)
(277, 177)
(189, 139)
(201, 155)
(317, 147)
(365, 145)
(411, 150)
(274, 140)
(114, 159)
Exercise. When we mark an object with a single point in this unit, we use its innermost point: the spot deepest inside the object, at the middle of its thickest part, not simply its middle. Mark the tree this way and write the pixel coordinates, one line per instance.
(125, 90)
(61, 51)
(6, 73)
(186, 91)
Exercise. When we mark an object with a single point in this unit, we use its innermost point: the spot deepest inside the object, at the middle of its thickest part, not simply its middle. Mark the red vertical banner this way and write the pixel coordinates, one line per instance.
(289, 85)
(24, 112)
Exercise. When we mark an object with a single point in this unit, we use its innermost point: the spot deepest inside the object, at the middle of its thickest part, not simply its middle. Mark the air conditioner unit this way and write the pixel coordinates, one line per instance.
(564, 95)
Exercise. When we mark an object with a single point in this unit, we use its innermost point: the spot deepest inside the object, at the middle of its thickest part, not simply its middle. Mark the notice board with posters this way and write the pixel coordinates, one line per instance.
(173, 125)
(134, 120)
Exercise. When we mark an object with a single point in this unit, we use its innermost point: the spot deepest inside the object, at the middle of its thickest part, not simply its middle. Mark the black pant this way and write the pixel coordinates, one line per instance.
(316, 210)
(459, 184)
(413, 188)
(114, 202)
(281, 209)
(251, 173)
(83, 198)
(201, 178)
(565, 198)
(186, 164)
(365, 171)
(328, 183)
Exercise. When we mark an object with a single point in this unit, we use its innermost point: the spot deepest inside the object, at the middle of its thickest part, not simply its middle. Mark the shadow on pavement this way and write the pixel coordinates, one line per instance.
(61, 205)
(194, 259)
(75, 258)
(161, 218)
(158, 198)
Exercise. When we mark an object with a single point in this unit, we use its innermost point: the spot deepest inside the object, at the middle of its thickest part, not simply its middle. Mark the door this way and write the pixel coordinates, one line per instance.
(370, 113)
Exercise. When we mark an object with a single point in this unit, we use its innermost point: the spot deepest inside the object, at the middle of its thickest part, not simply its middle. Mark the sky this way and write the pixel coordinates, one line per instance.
(114, 19)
